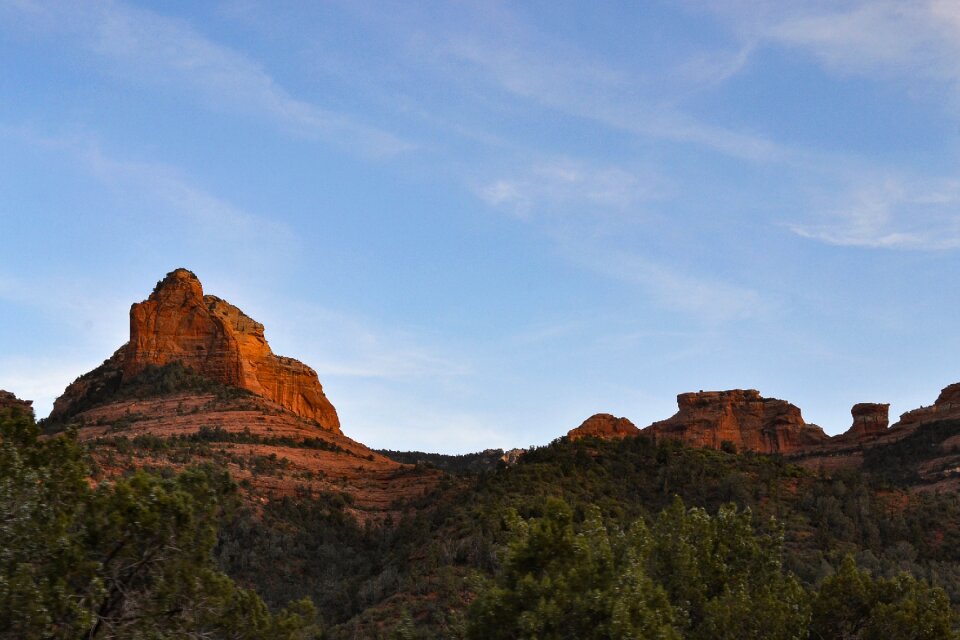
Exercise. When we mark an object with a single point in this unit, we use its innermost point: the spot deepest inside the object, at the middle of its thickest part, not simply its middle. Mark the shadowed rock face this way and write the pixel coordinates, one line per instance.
(213, 338)
(741, 417)
(946, 406)
(10, 401)
(604, 425)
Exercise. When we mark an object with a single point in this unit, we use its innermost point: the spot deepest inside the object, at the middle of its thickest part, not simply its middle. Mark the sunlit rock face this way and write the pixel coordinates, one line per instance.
(213, 338)
(605, 426)
(740, 417)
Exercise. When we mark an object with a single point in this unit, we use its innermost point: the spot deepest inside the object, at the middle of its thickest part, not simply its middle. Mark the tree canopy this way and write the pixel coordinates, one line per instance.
(130, 558)
(688, 574)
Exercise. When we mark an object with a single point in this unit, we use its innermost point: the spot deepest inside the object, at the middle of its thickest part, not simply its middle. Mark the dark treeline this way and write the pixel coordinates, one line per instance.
(463, 464)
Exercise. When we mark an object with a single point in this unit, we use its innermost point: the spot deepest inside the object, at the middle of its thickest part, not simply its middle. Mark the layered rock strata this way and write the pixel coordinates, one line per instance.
(270, 451)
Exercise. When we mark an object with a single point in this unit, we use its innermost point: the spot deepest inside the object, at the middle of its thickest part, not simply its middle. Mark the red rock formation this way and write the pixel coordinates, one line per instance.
(15, 404)
(870, 419)
(268, 439)
(212, 338)
(946, 406)
(741, 417)
(605, 426)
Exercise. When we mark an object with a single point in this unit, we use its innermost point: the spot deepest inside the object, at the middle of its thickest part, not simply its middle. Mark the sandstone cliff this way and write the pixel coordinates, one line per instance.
(605, 426)
(741, 417)
(210, 337)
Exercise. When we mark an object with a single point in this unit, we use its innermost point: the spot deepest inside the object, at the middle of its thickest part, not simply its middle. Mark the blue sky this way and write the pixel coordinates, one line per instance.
(482, 222)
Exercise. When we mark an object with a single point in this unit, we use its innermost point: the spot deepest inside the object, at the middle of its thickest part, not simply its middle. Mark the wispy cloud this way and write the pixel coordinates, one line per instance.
(145, 47)
(891, 212)
(560, 79)
(80, 305)
(585, 208)
(881, 38)
(167, 189)
(705, 298)
(571, 184)
(913, 44)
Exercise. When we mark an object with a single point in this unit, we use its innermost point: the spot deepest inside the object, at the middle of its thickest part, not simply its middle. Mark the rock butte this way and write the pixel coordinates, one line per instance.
(870, 419)
(741, 417)
(281, 439)
(214, 339)
(605, 426)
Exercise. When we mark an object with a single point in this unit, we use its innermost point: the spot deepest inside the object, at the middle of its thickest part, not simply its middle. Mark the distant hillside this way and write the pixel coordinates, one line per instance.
(428, 566)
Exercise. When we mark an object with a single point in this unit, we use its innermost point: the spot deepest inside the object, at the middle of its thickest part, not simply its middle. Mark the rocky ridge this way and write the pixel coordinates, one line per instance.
(277, 411)
(743, 420)
(750, 422)
(270, 451)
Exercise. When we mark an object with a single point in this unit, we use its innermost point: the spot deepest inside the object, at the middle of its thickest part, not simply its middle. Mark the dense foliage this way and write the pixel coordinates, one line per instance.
(418, 575)
(127, 559)
(689, 575)
(900, 464)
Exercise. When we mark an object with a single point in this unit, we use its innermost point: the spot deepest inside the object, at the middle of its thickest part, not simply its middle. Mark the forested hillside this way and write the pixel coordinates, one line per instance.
(607, 536)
